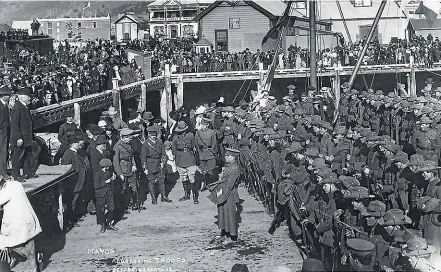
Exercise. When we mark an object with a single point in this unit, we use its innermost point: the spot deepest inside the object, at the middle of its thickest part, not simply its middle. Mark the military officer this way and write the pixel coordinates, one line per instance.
(153, 158)
(426, 141)
(125, 167)
(206, 141)
(183, 147)
(66, 130)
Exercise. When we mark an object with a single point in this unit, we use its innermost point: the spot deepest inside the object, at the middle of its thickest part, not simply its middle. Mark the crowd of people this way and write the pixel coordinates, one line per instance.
(184, 59)
(69, 71)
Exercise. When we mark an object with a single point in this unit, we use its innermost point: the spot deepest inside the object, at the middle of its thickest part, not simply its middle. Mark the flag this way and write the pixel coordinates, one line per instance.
(430, 8)
(87, 6)
(271, 38)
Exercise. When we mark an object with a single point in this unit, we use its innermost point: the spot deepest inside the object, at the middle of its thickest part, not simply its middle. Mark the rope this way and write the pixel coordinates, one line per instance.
(258, 56)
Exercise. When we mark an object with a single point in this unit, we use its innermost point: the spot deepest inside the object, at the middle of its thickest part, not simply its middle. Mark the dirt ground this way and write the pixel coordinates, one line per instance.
(174, 237)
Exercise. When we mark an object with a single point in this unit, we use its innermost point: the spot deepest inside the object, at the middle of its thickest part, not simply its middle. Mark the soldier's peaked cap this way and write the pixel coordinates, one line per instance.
(360, 247)
(152, 130)
(232, 151)
(126, 132)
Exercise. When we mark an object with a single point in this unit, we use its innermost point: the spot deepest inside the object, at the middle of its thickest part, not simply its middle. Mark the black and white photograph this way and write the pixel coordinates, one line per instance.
(220, 136)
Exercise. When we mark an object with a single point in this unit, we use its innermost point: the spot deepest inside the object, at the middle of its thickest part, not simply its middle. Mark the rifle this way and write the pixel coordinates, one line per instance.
(276, 222)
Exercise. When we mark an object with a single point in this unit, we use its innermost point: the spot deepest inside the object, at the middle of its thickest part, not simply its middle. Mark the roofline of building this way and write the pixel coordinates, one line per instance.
(74, 19)
(127, 16)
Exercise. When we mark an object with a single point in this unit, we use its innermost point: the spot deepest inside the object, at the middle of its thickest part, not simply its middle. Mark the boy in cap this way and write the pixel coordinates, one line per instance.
(224, 194)
(103, 179)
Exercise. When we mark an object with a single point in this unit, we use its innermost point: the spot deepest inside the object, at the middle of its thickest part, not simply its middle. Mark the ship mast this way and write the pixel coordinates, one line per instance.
(313, 43)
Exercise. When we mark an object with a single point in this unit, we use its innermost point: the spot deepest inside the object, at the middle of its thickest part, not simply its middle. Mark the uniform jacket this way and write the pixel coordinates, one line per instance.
(226, 187)
(71, 157)
(123, 159)
(19, 223)
(306, 106)
(152, 155)
(183, 146)
(205, 141)
(65, 131)
(21, 125)
(228, 133)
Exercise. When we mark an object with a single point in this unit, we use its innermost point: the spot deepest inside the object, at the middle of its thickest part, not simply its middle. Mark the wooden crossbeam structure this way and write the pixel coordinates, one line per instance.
(51, 114)
(299, 73)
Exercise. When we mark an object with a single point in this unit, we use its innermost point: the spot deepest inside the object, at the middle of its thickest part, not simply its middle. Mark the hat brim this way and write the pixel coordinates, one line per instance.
(420, 252)
(359, 196)
(181, 129)
(392, 222)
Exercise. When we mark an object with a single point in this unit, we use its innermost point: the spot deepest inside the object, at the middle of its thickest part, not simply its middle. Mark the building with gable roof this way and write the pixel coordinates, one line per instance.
(129, 27)
(236, 26)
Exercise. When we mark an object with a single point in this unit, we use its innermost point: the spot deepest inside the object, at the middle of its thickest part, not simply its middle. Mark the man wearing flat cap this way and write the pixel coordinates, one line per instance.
(67, 129)
(224, 194)
(153, 158)
(22, 136)
(125, 167)
(5, 94)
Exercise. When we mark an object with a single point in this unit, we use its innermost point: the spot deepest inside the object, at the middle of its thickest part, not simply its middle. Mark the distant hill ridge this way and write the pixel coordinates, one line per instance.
(28, 10)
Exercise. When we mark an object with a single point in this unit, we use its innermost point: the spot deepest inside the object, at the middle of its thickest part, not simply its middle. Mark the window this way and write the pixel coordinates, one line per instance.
(187, 30)
(94, 24)
(362, 3)
(146, 36)
(221, 37)
(79, 25)
(299, 4)
(58, 38)
(58, 30)
(58, 23)
(49, 31)
(49, 25)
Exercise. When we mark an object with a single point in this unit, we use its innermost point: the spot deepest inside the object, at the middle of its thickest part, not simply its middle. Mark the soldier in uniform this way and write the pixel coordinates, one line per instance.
(67, 129)
(224, 194)
(125, 167)
(426, 141)
(305, 105)
(206, 141)
(360, 254)
(427, 90)
(153, 158)
(183, 147)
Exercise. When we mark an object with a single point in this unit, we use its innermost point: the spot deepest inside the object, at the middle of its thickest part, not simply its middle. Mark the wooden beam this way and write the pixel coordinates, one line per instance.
(116, 98)
(143, 99)
(179, 92)
(166, 105)
(77, 114)
(413, 90)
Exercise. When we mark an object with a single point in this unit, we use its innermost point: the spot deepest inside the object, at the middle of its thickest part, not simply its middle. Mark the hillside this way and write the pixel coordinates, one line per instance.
(28, 10)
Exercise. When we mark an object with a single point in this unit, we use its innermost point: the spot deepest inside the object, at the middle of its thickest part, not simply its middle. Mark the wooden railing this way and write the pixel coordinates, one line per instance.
(55, 113)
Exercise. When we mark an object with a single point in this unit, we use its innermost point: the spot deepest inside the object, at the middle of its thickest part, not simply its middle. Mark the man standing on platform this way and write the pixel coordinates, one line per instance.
(224, 195)
(153, 158)
(22, 136)
(67, 129)
(5, 93)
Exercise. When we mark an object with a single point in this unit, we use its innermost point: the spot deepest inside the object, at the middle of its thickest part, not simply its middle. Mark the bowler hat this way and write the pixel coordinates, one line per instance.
(427, 204)
(291, 87)
(147, 116)
(311, 88)
(312, 265)
(101, 139)
(105, 163)
(5, 90)
(24, 91)
(239, 268)
(182, 126)
(68, 113)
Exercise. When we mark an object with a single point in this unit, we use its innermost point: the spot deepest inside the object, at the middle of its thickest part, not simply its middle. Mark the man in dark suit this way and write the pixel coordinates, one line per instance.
(5, 93)
(72, 157)
(22, 136)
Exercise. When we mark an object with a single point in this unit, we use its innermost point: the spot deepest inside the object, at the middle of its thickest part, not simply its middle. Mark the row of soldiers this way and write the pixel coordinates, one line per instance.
(363, 194)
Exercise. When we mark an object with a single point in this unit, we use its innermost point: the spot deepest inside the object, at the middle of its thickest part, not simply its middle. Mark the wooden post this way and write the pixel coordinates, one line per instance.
(413, 90)
(117, 102)
(77, 114)
(143, 98)
(261, 80)
(179, 92)
(337, 89)
(166, 105)
(408, 82)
